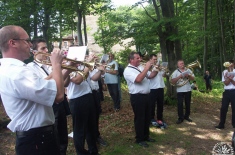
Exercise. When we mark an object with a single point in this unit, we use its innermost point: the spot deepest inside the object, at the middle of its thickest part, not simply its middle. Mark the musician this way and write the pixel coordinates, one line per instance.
(83, 111)
(28, 98)
(228, 95)
(138, 85)
(111, 79)
(61, 110)
(157, 94)
(208, 80)
(94, 76)
(179, 76)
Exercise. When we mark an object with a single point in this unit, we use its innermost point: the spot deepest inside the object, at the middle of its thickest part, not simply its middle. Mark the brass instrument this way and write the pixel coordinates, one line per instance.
(183, 81)
(63, 66)
(111, 67)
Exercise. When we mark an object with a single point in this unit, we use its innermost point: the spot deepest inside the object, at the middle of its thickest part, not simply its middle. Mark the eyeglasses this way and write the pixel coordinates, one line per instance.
(27, 40)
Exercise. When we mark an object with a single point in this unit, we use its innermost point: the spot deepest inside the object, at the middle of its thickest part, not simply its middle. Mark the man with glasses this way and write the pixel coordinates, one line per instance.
(28, 98)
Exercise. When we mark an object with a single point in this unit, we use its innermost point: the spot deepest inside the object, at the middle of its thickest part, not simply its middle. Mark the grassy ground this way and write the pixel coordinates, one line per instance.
(196, 138)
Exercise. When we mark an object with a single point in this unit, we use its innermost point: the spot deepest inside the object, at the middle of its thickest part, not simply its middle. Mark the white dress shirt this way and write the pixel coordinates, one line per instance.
(230, 86)
(187, 86)
(130, 75)
(26, 97)
(93, 84)
(157, 81)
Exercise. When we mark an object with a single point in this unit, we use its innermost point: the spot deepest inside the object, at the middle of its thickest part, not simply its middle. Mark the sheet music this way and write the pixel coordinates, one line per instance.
(230, 74)
(104, 58)
(164, 64)
(185, 72)
(78, 52)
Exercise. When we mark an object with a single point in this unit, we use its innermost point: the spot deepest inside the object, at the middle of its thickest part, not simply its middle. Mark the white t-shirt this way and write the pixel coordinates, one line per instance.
(130, 75)
(27, 98)
(187, 86)
(110, 78)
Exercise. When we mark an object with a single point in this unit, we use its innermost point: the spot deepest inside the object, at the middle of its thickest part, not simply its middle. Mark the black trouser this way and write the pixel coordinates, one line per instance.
(84, 120)
(37, 141)
(141, 108)
(101, 90)
(208, 86)
(114, 93)
(228, 96)
(157, 95)
(61, 126)
(184, 96)
(95, 94)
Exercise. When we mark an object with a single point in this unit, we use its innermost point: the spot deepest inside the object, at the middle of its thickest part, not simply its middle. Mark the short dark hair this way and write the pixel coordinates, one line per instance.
(152, 55)
(35, 42)
(131, 55)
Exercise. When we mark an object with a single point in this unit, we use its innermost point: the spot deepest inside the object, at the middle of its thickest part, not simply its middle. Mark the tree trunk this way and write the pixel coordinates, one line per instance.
(85, 32)
(205, 36)
(79, 28)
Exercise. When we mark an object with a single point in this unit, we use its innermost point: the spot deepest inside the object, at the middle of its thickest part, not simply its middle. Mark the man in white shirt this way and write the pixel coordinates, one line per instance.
(94, 76)
(138, 85)
(28, 98)
(61, 109)
(228, 96)
(83, 112)
(111, 79)
(183, 91)
(157, 94)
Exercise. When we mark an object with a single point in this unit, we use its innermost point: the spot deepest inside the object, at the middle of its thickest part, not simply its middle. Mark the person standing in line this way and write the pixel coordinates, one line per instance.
(157, 86)
(111, 79)
(184, 92)
(61, 110)
(83, 112)
(138, 85)
(28, 98)
(208, 81)
(228, 95)
(94, 76)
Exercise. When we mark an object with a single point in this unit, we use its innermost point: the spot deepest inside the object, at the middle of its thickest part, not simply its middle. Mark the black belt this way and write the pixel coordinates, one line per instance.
(140, 94)
(229, 89)
(35, 131)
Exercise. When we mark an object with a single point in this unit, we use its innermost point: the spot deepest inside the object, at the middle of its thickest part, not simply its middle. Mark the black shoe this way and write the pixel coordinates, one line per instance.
(188, 119)
(116, 109)
(101, 141)
(151, 140)
(143, 143)
(179, 121)
(219, 127)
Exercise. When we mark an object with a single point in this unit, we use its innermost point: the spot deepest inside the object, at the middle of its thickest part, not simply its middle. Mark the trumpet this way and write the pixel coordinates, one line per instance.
(111, 67)
(64, 65)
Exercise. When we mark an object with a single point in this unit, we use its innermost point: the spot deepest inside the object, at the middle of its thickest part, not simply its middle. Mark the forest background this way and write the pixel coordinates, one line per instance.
(179, 29)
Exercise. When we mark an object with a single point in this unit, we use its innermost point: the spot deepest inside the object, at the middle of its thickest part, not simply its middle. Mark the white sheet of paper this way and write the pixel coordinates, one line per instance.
(71, 135)
(185, 72)
(104, 58)
(164, 64)
(78, 52)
